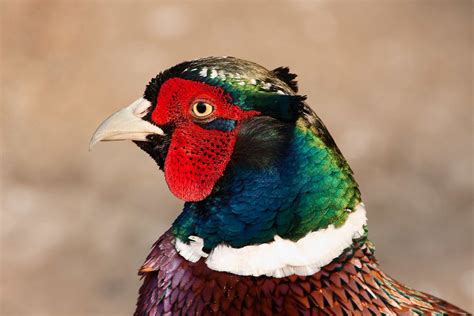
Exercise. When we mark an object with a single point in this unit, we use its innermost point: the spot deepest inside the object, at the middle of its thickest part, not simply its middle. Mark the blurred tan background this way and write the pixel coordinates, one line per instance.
(391, 79)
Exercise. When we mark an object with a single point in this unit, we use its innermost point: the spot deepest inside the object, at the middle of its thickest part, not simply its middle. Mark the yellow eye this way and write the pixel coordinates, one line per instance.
(202, 109)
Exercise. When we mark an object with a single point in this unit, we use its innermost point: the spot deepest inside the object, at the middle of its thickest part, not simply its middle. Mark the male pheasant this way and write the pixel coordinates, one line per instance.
(273, 221)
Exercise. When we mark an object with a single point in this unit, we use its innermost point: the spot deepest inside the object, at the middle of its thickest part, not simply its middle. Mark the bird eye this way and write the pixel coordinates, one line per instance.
(202, 109)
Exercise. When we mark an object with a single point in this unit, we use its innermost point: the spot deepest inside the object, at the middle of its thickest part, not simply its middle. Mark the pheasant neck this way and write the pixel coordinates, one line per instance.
(308, 189)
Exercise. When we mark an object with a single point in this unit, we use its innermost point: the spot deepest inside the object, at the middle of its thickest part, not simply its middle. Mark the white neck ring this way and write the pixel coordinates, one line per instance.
(281, 257)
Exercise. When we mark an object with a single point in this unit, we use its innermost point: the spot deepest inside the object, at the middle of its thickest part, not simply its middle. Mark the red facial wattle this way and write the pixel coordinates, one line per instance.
(197, 157)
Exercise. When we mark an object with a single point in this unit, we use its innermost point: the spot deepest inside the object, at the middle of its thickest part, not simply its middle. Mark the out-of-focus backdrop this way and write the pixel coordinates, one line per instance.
(391, 79)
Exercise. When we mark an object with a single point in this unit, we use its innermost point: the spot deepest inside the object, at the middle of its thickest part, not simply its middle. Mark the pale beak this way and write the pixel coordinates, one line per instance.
(127, 124)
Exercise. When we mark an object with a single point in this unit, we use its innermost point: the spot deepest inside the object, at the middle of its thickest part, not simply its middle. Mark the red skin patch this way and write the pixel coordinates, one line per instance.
(197, 157)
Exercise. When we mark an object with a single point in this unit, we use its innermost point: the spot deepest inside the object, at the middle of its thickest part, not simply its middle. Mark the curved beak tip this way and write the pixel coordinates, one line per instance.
(93, 142)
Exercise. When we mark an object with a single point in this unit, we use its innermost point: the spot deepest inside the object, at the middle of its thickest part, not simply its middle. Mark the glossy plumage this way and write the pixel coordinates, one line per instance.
(352, 284)
(260, 167)
(286, 195)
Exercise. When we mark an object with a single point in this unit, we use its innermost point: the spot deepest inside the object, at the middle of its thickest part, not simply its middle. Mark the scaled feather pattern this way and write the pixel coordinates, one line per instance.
(273, 221)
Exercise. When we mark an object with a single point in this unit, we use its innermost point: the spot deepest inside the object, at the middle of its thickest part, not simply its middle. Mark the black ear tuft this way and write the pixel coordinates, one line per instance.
(284, 107)
(152, 89)
(284, 74)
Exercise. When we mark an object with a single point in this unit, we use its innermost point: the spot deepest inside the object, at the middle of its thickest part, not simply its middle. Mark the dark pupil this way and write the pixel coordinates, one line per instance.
(201, 107)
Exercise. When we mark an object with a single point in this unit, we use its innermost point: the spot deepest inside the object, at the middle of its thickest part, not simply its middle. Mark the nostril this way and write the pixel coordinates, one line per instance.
(142, 108)
(142, 113)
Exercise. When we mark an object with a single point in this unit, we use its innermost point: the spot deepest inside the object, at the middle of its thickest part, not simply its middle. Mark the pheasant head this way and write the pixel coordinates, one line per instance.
(241, 147)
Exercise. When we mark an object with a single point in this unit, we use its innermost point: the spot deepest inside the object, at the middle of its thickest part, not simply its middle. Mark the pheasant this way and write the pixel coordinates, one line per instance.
(273, 221)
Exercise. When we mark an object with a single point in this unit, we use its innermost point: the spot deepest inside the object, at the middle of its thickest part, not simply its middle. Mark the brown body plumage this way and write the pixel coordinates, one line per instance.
(352, 284)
